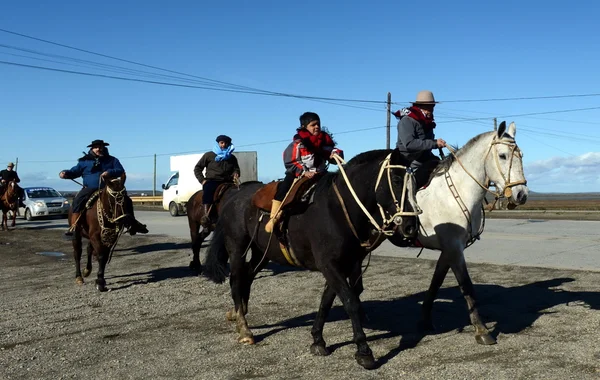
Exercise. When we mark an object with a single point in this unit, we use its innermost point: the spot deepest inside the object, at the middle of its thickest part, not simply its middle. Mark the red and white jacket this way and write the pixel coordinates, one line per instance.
(302, 156)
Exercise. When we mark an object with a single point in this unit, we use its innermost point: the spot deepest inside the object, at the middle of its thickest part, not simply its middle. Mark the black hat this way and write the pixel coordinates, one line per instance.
(98, 142)
(225, 138)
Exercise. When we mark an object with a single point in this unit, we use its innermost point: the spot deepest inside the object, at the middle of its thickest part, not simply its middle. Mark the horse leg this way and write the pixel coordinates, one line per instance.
(351, 302)
(482, 335)
(77, 248)
(14, 218)
(240, 280)
(198, 237)
(319, 347)
(257, 263)
(88, 267)
(102, 253)
(441, 269)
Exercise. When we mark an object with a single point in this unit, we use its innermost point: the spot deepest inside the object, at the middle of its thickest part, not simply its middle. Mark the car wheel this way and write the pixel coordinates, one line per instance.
(173, 209)
(28, 215)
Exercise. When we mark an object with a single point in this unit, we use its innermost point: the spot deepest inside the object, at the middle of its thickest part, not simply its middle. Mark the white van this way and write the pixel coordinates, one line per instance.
(182, 184)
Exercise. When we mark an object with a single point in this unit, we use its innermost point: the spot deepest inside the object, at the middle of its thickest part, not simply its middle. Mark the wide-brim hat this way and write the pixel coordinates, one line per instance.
(425, 97)
(10, 165)
(98, 142)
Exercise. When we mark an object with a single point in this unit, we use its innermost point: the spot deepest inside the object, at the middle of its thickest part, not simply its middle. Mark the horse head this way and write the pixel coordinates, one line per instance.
(395, 195)
(10, 192)
(115, 185)
(504, 165)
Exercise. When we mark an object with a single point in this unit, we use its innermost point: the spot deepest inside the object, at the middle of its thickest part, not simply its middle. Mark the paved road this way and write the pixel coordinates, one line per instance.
(544, 243)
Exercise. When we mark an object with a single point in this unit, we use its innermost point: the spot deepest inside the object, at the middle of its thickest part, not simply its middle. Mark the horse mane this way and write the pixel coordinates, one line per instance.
(361, 158)
(447, 161)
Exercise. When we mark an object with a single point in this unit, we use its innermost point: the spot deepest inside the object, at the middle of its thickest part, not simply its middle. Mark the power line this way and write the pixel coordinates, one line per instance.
(253, 90)
(250, 89)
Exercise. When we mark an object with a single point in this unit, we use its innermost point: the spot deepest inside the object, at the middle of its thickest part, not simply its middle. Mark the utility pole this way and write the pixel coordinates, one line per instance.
(389, 110)
(495, 124)
(154, 187)
(17, 164)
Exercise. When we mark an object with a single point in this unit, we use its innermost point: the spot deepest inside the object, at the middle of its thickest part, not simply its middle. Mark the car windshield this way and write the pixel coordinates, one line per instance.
(42, 193)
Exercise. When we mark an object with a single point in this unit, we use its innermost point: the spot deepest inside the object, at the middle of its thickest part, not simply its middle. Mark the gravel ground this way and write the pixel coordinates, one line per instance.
(160, 321)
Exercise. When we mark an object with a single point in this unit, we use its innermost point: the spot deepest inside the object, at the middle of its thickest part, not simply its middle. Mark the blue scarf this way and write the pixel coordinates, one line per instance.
(223, 154)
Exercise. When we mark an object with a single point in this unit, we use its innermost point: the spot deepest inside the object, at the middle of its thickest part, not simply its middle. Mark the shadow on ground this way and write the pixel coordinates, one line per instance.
(514, 309)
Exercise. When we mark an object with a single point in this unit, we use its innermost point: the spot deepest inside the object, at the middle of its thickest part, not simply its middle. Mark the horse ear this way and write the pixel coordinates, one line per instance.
(512, 129)
(501, 129)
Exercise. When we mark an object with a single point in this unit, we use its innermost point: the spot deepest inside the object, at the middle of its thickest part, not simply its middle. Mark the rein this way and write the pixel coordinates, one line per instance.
(110, 235)
(506, 193)
(386, 222)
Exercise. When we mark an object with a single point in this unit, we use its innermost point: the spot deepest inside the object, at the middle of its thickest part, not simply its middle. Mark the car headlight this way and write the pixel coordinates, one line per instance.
(39, 204)
(66, 203)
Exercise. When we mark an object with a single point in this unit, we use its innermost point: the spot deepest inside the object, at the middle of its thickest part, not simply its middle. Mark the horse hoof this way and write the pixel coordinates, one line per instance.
(246, 339)
(367, 361)
(86, 272)
(319, 350)
(101, 286)
(196, 266)
(79, 280)
(426, 326)
(485, 339)
(231, 316)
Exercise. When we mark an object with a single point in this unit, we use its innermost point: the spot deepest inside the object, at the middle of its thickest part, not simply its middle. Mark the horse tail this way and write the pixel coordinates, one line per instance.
(215, 267)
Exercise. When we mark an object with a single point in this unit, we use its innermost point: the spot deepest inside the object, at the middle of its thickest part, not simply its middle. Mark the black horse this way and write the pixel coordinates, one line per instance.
(195, 213)
(332, 235)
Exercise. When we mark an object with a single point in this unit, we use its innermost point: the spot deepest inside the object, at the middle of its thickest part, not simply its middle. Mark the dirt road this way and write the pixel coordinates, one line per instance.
(160, 321)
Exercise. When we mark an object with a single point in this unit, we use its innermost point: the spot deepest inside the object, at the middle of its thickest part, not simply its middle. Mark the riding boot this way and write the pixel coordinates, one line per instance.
(137, 226)
(73, 223)
(275, 215)
(205, 220)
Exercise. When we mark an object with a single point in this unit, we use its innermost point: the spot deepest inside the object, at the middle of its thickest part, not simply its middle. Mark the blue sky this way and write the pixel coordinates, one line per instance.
(361, 50)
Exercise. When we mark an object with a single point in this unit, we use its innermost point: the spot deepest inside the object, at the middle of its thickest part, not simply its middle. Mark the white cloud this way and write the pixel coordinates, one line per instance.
(565, 174)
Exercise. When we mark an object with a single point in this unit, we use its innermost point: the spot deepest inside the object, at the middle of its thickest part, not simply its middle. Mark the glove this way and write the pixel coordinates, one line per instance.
(337, 151)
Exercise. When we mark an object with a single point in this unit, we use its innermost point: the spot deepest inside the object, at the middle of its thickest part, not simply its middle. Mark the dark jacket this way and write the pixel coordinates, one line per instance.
(216, 170)
(9, 175)
(414, 141)
(90, 167)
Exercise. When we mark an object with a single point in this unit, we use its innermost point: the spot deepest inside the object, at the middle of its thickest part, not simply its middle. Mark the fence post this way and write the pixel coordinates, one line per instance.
(154, 185)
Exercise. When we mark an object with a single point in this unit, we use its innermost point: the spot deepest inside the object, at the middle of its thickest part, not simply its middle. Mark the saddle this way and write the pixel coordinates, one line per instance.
(220, 191)
(301, 191)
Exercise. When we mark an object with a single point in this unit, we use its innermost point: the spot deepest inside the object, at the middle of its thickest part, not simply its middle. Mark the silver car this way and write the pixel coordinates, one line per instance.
(42, 202)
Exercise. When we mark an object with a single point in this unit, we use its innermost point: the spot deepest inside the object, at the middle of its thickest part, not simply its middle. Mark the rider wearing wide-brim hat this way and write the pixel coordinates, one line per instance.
(416, 139)
(96, 164)
(7, 175)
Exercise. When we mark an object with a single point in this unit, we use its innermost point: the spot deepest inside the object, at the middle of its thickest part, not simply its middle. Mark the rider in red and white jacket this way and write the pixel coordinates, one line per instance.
(306, 155)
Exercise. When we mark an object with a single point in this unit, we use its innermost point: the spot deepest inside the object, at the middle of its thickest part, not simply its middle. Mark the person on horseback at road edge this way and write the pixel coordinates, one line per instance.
(94, 167)
(307, 156)
(221, 167)
(7, 175)
(416, 139)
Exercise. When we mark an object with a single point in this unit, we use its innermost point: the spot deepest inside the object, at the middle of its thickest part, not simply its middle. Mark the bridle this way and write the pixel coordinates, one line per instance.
(508, 185)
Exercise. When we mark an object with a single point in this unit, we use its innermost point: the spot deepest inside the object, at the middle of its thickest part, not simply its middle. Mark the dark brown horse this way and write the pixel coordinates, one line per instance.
(9, 201)
(102, 224)
(195, 214)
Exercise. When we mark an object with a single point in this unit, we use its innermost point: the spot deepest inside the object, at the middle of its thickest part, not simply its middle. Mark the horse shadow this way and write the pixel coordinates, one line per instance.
(43, 225)
(514, 309)
(124, 281)
(154, 247)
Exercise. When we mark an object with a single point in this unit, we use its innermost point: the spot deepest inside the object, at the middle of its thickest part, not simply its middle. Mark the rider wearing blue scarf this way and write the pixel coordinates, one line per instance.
(221, 167)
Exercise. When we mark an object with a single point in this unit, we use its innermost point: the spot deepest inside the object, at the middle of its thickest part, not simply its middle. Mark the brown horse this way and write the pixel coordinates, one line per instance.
(9, 201)
(101, 223)
(195, 212)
